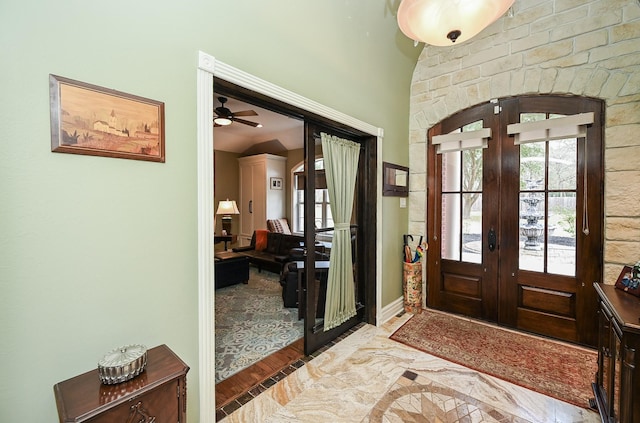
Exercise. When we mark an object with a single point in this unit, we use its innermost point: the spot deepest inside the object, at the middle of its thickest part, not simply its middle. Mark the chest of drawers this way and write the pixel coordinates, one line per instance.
(157, 395)
(617, 384)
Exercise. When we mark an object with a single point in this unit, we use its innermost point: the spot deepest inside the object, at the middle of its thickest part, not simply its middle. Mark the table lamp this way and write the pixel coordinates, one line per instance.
(226, 208)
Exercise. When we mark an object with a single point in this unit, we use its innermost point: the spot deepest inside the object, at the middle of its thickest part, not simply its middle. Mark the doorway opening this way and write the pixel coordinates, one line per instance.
(252, 320)
(245, 86)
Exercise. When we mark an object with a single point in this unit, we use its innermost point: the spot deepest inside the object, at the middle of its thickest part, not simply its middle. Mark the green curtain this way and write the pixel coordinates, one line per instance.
(341, 167)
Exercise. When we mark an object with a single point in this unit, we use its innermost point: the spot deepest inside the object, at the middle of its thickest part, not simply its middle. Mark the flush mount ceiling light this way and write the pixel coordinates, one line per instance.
(443, 22)
(222, 121)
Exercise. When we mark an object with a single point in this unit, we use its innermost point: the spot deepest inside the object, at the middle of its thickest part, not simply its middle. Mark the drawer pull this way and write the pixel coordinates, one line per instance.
(140, 415)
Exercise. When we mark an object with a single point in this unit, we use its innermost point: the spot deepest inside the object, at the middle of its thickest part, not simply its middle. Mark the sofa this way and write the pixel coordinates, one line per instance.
(276, 252)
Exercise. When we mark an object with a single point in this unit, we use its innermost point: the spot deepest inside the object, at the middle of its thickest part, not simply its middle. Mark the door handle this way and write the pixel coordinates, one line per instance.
(250, 206)
(492, 239)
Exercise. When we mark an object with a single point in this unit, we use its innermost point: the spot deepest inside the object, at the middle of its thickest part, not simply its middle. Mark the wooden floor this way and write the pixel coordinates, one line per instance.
(251, 378)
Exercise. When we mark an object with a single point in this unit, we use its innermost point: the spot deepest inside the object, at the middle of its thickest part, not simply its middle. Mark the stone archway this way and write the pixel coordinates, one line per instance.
(587, 50)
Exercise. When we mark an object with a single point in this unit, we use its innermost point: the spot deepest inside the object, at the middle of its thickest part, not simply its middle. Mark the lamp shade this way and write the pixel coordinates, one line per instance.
(441, 22)
(227, 207)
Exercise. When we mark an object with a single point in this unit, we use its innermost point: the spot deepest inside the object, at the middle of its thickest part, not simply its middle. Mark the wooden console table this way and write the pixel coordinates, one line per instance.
(158, 394)
(617, 383)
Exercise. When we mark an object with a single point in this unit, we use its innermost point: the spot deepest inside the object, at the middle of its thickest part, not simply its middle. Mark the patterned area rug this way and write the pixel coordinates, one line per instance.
(549, 367)
(252, 323)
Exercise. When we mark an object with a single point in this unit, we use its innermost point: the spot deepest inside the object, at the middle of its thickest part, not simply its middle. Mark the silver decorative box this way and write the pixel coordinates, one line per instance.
(122, 364)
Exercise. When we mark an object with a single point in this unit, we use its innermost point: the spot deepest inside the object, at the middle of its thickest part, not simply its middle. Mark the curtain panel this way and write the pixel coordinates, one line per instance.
(341, 167)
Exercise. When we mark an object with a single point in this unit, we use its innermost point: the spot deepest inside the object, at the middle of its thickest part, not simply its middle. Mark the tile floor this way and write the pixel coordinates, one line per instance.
(369, 378)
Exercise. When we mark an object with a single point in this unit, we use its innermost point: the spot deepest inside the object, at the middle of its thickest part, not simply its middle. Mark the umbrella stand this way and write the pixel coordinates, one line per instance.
(412, 277)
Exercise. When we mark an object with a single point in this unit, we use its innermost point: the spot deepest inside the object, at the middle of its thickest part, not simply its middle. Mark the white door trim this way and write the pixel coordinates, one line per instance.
(208, 67)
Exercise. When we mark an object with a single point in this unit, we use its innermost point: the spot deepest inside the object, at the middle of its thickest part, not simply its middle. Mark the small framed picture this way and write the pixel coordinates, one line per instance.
(276, 183)
(628, 281)
(395, 180)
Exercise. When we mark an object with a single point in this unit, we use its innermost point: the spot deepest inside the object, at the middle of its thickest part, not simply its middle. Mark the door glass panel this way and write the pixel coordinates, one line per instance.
(299, 210)
(473, 126)
(318, 219)
(323, 218)
(563, 164)
(533, 117)
(562, 233)
(472, 227)
(318, 307)
(472, 170)
(451, 226)
(532, 236)
(532, 165)
(472, 205)
(462, 202)
(548, 184)
(451, 171)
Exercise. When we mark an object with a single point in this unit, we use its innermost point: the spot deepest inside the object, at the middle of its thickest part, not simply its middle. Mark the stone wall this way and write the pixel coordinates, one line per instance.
(579, 47)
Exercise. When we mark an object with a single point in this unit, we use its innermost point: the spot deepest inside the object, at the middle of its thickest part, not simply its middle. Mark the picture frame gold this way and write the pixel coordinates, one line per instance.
(96, 121)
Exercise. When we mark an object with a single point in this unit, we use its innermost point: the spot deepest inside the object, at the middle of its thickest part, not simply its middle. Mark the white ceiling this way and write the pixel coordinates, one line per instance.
(238, 138)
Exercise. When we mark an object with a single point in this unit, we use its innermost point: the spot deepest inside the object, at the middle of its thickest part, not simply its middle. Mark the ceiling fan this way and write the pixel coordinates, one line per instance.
(225, 116)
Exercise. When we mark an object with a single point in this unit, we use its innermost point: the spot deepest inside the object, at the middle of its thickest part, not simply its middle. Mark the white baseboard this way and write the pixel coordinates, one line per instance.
(390, 310)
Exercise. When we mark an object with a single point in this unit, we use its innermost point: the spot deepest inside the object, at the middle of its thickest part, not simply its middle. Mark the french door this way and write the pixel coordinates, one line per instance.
(515, 229)
(318, 238)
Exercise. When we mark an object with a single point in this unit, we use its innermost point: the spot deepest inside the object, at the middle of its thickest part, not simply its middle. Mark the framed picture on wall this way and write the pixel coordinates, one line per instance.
(395, 180)
(276, 183)
(88, 119)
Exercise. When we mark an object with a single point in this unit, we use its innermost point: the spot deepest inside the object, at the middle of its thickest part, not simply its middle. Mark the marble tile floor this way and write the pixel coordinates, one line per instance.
(369, 378)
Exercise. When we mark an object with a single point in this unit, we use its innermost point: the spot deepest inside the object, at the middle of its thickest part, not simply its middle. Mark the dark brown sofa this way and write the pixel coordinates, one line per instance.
(275, 255)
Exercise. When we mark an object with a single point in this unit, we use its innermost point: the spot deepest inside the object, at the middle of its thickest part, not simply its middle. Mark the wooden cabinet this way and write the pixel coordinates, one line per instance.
(158, 394)
(617, 384)
(262, 193)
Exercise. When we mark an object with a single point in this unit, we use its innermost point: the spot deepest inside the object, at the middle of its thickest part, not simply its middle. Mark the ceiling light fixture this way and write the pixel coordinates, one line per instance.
(222, 121)
(443, 22)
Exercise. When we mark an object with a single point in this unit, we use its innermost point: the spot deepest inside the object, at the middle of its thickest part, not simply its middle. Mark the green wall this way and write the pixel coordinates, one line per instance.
(98, 252)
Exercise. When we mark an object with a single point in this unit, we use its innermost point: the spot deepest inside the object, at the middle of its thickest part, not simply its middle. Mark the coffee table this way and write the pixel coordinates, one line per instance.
(230, 268)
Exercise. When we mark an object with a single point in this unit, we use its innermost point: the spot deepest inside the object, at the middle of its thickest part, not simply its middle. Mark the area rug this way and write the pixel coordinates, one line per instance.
(552, 368)
(252, 323)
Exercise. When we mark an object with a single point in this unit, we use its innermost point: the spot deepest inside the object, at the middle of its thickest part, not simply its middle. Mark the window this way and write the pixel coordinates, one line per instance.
(323, 218)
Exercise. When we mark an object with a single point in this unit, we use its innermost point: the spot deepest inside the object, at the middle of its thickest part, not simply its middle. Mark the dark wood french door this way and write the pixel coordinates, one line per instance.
(464, 187)
(515, 231)
(318, 238)
(363, 218)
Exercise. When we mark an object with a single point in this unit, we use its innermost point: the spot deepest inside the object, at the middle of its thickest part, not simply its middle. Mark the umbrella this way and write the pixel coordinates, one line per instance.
(406, 248)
